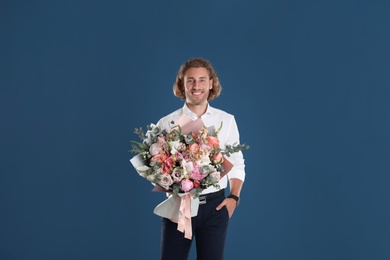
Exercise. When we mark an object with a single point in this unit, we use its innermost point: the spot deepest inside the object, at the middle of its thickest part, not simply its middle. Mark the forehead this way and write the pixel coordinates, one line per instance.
(196, 73)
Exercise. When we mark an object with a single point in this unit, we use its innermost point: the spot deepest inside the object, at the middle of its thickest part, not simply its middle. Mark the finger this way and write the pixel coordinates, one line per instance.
(220, 206)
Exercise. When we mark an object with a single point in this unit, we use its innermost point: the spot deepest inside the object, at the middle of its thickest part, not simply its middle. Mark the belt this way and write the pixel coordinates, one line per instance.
(210, 196)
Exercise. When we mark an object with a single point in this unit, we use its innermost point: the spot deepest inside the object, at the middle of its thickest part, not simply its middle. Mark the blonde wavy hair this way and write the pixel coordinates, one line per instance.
(178, 87)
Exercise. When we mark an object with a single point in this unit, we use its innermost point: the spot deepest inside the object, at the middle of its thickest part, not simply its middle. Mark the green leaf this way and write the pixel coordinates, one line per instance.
(229, 149)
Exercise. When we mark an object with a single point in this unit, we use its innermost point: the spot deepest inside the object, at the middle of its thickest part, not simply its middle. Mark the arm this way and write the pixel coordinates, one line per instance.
(237, 174)
(235, 186)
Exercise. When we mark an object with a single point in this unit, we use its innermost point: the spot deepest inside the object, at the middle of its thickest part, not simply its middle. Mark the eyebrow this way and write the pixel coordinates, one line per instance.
(201, 77)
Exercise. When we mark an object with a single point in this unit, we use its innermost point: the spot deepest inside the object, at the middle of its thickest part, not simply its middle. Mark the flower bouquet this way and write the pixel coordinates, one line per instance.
(180, 162)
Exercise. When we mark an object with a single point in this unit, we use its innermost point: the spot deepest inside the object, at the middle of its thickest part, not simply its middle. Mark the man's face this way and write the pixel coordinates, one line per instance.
(197, 85)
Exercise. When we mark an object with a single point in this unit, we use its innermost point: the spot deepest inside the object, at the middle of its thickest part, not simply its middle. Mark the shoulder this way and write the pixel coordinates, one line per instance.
(218, 117)
(165, 122)
(174, 114)
(221, 113)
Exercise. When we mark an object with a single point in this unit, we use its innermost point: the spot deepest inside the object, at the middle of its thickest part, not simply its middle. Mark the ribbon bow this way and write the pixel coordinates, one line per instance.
(184, 221)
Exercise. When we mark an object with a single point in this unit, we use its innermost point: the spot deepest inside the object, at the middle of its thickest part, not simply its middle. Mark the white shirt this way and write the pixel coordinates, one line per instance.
(228, 135)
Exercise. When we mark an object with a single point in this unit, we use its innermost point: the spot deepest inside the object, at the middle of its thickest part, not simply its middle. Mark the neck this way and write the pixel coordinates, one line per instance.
(199, 110)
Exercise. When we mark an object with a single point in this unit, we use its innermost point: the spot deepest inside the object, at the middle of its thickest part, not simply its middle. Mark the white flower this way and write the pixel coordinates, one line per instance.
(204, 161)
(166, 181)
(187, 166)
(142, 170)
(174, 145)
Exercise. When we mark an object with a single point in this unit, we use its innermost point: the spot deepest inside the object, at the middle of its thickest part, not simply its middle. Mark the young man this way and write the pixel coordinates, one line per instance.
(197, 84)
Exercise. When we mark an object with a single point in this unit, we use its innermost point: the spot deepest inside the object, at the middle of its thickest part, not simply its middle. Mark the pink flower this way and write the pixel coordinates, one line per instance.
(213, 141)
(217, 157)
(194, 148)
(155, 149)
(161, 141)
(167, 165)
(186, 156)
(196, 174)
(179, 156)
(158, 147)
(159, 158)
(186, 185)
(177, 174)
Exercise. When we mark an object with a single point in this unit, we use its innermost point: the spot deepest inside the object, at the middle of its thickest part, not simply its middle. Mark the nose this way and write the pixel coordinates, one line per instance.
(196, 84)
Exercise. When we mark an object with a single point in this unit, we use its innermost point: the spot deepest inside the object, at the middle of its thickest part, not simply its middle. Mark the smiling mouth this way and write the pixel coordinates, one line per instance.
(197, 93)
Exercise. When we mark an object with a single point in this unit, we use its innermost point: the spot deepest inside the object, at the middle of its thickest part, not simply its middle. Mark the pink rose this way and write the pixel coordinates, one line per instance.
(177, 174)
(194, 148)
(167, 165)
(217, 157)
(213, 141)
(186, 185)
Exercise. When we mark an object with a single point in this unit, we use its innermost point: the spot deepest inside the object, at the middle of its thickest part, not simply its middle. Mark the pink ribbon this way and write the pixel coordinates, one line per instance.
(184, 221)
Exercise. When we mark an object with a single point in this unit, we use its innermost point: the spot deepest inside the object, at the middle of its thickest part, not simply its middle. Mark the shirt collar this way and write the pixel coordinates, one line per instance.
(192, 115)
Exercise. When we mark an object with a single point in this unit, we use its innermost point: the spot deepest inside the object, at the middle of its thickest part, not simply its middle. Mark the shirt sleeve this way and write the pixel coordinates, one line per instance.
(237, 159)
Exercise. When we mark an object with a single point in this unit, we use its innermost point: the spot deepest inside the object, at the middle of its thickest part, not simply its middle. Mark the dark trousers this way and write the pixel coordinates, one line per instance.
(209, 228)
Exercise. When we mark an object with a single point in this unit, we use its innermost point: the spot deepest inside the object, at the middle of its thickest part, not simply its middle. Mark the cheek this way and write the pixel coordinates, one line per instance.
(186, 90)
(186, 87)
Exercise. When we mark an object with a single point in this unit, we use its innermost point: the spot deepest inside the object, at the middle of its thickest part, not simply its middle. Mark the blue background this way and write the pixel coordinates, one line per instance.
(308, 82)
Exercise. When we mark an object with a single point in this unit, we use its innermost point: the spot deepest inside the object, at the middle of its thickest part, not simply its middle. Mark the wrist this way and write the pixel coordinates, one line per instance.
(236, 198)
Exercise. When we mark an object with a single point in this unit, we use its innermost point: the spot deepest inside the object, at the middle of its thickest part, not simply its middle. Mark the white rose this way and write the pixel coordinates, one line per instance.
(165, 181)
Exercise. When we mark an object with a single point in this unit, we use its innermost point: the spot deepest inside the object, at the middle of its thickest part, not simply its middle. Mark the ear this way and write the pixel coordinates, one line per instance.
(211, 83)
